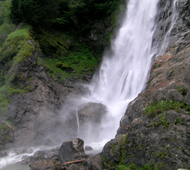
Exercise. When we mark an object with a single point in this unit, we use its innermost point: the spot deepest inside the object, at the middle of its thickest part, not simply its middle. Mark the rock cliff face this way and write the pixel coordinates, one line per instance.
(30, 111)
(155, 127)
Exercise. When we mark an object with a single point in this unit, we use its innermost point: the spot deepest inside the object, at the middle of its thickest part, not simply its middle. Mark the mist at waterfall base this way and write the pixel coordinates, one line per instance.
(121, 77)
(122, 74)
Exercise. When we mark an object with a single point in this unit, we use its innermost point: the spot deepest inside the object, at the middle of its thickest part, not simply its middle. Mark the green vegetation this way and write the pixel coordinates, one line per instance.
(6, 26)
(182, 90)
(158, 108)
(75, 65)
(65, 14)
(11, 124)
(38, 62)
(162, 155)
(3, 100)
(34, 11)
(163, 121)
(15, 50)
(132, 166)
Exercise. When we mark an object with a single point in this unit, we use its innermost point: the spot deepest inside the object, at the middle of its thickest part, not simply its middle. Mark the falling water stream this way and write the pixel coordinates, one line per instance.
(124, 69)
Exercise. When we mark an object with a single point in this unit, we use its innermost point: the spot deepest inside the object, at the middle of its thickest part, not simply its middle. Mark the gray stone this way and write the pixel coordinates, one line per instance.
(88, 148)
(71, 150)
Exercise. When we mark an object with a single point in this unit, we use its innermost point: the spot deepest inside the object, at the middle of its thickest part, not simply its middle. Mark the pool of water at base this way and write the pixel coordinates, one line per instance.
(16, 166)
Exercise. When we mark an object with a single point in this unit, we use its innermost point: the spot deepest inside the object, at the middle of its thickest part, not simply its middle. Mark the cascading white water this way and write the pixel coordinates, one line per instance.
(77, 118)
(123, 74)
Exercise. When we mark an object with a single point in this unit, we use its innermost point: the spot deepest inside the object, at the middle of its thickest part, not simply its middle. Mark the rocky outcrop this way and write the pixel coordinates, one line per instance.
(90, 116)
(36, 97)
(172, 22)
(69, 156)
(71, 150)
(32, 112)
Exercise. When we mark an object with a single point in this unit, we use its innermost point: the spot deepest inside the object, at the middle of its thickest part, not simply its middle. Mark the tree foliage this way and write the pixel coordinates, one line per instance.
(34, 12)
(63, 13)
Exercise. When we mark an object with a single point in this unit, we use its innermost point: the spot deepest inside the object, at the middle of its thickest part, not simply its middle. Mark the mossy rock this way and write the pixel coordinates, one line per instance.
(63, 66)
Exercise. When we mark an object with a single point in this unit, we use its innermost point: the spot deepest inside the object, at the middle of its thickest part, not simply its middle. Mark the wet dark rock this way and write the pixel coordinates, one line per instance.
(71, 150)
(88, 148)
(91, 112)
(3, 153)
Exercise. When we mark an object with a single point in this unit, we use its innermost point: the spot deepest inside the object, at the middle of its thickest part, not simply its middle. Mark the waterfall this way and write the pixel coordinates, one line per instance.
(77, 118)
(125, 68)
(122, 75)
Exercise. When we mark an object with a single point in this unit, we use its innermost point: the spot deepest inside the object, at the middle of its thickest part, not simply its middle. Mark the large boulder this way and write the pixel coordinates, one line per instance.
(91, 112)
(90, 118)
(71, 150)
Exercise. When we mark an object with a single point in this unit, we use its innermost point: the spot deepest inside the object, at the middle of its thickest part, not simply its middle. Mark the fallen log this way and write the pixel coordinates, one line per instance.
(8, 125)
(72, 162)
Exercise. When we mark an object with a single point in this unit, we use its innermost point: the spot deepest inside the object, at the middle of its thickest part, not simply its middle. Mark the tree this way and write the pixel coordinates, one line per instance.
(34, 12)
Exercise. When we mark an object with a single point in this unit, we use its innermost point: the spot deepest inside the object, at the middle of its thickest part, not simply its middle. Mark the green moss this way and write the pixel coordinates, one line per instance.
(52, 69)
(38, 62)
(6, 27)
(11, 124)
(56, 43)
(15, 49)
(164, 121)
(75, 65)
(19, 34)
(182, 90)
(161, 155)
(132, 166)
(4, 126)
(29, 80)
(178, 121)
(116, 150)
(158, 108)
(122, 167)
(123, 149)
(18, 91)
(28, 88)
(6, 137)
(3, 100)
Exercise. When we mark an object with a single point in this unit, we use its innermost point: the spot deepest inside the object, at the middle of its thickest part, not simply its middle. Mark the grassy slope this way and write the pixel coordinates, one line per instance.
(14, 50)
(66, 57)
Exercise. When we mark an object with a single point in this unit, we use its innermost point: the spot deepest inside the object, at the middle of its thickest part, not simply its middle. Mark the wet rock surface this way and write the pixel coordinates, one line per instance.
(71, 150)
(69, 156)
